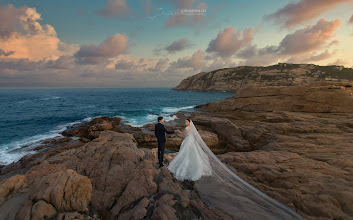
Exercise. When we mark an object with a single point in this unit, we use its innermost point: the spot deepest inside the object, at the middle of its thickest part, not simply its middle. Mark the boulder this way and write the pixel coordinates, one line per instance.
(11, 186)
(229, 134)
(90, 130)
(65, 190)
(42, 210)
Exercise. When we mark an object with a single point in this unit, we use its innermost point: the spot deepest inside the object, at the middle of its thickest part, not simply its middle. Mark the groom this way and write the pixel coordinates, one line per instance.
(160, 132)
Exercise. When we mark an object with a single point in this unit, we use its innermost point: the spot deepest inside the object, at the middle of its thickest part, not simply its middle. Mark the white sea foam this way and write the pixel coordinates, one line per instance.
(175, 110)
(14, 151)
(152, 118)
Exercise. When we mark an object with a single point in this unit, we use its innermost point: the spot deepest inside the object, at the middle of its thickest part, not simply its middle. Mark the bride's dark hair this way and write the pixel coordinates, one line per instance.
(188, 119)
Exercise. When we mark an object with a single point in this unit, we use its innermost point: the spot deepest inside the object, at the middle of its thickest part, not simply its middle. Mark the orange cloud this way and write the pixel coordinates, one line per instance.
(196, 61)
(309, 38)
(22, 34)
(227, 43)
(294, 14)
(303, 45)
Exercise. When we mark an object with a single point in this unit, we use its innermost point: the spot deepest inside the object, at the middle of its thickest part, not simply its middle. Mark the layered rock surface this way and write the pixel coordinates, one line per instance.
(293, 143)
(302, 160)
(106, 178)
(232, 79)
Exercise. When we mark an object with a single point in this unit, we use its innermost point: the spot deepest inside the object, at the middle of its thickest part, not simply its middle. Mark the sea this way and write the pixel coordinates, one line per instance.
(29, 116)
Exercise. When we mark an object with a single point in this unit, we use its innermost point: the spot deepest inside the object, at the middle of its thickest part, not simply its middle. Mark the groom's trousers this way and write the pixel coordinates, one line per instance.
(161, 146)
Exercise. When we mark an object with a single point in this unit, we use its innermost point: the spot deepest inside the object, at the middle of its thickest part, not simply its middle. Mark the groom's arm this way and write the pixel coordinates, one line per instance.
(166, 131)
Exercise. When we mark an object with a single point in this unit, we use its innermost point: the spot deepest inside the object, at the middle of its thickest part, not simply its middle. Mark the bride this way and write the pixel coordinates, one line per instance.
(218, 186)
(191, 162)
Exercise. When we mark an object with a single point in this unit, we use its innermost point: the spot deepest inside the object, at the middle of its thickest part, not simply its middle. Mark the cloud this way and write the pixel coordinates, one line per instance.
(303, 45)
(22, 36)
(114, 8)
(9, 16)
(160, 65)
(322, 56)
(294, 14)
(309, 38)
(196, 61)
(124, 65)
(339, 62)
(109, 48)
(128, 63)
(178, 45)
(227, 42)
(311, 57)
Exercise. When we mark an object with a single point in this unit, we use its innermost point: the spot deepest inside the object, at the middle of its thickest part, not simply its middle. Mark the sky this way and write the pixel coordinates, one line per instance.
(157, 43)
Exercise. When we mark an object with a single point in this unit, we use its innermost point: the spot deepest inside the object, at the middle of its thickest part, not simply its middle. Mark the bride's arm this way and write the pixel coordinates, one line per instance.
(186, 130)
(183, 133)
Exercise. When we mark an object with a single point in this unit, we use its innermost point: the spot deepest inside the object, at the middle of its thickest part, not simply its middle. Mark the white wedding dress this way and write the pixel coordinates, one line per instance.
(191, 162)
(219, 187)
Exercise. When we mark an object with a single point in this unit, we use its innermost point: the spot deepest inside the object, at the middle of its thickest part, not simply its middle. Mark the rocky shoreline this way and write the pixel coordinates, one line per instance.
(105, 169)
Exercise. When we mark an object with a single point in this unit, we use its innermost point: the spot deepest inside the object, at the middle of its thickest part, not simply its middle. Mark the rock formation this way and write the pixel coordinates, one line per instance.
(293, 143)
(282, 74)
(106, 178)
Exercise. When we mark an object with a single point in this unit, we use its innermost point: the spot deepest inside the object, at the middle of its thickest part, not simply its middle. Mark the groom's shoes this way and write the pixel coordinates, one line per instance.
(161, 165)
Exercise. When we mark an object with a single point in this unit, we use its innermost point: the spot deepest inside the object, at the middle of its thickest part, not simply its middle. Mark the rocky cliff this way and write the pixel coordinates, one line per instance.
(232, 79)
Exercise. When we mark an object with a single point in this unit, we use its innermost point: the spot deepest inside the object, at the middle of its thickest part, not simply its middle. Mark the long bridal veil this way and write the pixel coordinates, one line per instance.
(227, 192)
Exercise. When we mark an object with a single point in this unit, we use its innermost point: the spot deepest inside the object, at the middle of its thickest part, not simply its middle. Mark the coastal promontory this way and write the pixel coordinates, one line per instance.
(282, 74)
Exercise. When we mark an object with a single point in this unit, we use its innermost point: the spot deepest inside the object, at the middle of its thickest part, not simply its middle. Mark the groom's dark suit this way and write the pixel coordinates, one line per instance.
(160, 132)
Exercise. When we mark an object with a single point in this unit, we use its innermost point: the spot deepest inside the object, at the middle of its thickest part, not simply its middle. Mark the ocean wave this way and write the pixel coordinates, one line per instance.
(175, 109)
(14, 151)
(147, 119)
(166, 113)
